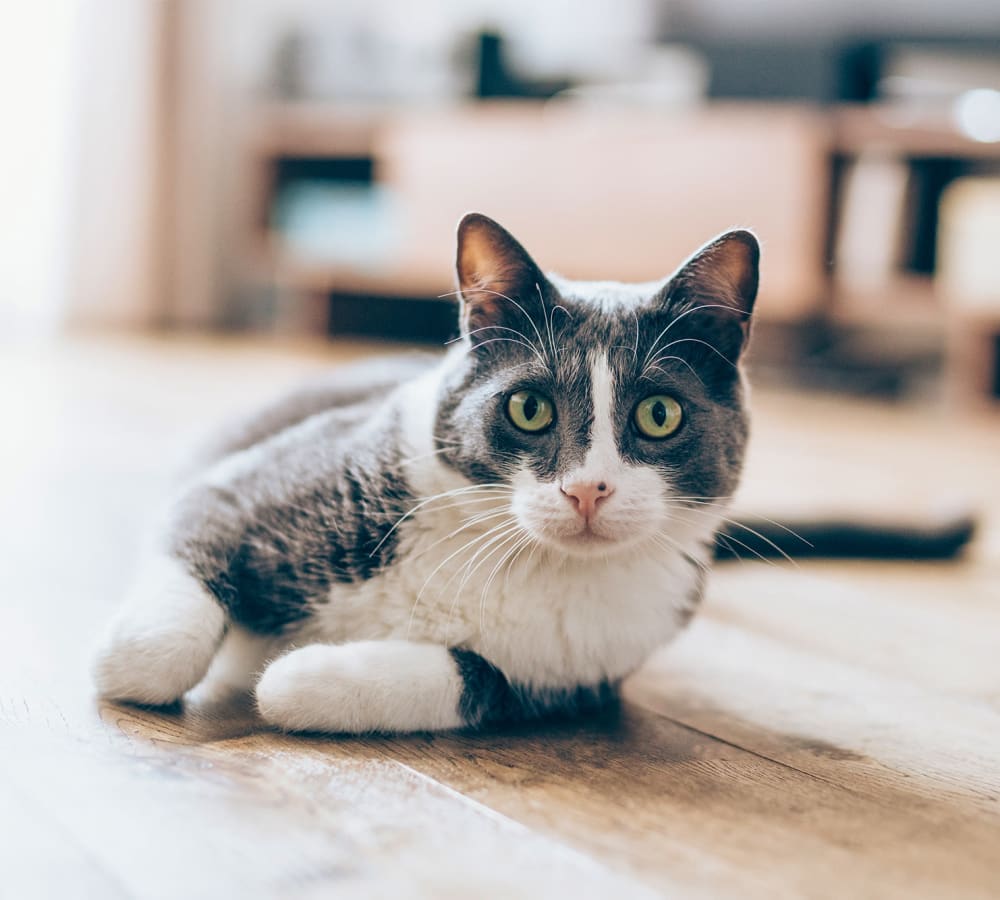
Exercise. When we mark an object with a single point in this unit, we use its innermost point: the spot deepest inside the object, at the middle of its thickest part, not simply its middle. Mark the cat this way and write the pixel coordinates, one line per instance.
(500, 533)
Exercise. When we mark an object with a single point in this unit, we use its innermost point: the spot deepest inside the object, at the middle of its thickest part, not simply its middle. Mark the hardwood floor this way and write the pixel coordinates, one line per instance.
(821, 730)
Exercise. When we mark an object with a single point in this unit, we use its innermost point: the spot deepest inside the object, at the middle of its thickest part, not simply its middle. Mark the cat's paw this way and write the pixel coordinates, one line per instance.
(361, 687)
(286, 692)
(162, 641)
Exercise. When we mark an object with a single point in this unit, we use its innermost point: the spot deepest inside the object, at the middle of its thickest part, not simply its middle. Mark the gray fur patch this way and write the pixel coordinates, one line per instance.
(316, 507)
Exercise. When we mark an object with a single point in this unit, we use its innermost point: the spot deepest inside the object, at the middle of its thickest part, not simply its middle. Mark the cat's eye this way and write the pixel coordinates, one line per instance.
(530, 411)
(658, 416)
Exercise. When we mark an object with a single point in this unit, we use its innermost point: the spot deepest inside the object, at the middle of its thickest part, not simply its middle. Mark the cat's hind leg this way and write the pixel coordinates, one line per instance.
(390, 686)
(162, 641)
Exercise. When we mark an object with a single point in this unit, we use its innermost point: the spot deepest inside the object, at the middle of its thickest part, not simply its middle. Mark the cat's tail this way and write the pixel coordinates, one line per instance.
(943, 537)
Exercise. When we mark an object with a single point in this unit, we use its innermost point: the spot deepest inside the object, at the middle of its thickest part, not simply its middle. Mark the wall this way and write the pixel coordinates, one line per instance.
(38, 56)
(113, 265)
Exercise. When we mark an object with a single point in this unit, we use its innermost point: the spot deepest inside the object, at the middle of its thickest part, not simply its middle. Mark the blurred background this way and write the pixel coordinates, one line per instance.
(298, 166)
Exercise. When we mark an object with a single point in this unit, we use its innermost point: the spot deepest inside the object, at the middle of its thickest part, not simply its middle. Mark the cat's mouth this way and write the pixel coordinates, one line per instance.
(588, 540)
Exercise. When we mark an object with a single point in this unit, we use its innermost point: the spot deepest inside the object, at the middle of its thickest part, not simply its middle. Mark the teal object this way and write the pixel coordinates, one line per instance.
(337, 224)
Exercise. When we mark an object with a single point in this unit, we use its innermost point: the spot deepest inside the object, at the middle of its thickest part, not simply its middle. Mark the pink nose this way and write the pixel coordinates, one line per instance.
(585, 495)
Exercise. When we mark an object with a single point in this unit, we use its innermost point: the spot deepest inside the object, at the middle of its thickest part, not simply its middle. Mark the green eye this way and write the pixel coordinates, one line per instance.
(658, 416)
(530, 411)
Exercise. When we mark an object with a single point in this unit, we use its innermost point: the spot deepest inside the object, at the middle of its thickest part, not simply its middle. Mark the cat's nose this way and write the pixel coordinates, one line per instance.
(585, 495)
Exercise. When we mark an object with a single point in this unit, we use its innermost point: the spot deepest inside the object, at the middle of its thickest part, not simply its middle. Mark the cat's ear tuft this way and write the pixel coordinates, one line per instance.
(718, 287)
(498, 281)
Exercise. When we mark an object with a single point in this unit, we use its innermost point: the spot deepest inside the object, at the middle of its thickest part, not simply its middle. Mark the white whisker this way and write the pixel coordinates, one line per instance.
(517, 536)
(690, 340)
(737, 524)
(496, 486)
(654, 365)
(445, 561)
(688, 312)
(499, 533)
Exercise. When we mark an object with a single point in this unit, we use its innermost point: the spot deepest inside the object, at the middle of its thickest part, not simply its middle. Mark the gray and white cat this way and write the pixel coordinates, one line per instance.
(500, 533)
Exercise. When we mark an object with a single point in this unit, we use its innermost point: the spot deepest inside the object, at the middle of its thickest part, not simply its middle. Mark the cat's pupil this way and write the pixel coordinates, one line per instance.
(530, 408)
(659, 413)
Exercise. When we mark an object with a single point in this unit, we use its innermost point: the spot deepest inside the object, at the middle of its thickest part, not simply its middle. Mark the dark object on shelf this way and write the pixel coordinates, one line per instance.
(838, 69)
(495, 78)
(358, 169)
(773, 70)
(931, 176)
(420, 319)
(860, 71)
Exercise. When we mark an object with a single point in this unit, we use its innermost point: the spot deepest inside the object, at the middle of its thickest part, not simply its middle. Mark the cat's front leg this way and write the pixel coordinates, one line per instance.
(363, 686)
(403, 686)
(161, 642)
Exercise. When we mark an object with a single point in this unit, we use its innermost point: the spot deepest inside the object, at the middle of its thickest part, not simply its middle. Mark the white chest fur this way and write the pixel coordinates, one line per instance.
(544, 619)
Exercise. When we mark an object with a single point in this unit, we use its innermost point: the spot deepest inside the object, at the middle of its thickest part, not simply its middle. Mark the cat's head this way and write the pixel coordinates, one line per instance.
(603, 412)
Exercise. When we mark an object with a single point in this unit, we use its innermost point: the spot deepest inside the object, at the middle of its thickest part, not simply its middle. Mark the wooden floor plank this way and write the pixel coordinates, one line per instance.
(662, 798)
(40, 860)
(933, 624)
(835, 721)
(264, 815)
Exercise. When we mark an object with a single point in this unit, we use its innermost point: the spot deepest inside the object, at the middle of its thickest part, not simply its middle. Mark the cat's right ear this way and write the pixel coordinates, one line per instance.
(500, 284)
(715, 291)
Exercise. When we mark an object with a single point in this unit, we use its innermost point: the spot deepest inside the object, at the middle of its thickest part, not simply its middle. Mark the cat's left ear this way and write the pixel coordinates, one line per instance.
(715, 290)
(500, 284)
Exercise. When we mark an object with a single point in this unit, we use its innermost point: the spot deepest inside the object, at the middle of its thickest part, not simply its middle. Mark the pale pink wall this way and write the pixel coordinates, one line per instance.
(112, 270)
(38, 56)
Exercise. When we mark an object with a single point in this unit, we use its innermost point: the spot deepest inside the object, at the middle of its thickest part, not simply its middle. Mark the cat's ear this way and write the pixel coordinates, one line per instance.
(715, 290)
(500, 284)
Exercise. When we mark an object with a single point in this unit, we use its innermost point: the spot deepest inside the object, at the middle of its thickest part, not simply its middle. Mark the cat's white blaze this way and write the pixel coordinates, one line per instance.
(603, 461)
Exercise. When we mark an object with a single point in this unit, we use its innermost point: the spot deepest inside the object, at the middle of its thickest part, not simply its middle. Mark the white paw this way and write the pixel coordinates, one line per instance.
(361, 687)
(161, 643)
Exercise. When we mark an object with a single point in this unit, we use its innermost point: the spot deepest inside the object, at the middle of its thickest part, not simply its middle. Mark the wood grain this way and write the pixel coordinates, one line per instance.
(826, 730)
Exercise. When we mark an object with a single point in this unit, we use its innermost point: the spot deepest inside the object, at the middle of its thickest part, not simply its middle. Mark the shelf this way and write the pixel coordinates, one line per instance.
(904, 132)
(910, 301)
(315, 129)
(907, 301)
(604, 191)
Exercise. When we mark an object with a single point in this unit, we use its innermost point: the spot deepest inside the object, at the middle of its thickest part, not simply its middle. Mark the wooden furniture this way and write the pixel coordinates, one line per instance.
(594, 194)
(906, 300)
(626, 194)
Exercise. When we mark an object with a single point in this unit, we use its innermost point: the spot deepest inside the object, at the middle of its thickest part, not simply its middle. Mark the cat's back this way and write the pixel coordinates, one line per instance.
(354, 390)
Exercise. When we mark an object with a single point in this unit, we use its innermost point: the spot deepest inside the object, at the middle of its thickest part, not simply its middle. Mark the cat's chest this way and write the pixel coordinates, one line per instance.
(543, 619)
(582, 623)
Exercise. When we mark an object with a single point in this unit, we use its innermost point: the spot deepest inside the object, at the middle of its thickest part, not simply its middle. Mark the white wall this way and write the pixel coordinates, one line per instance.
(114, 277)
(38, 55)
(79, 163)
